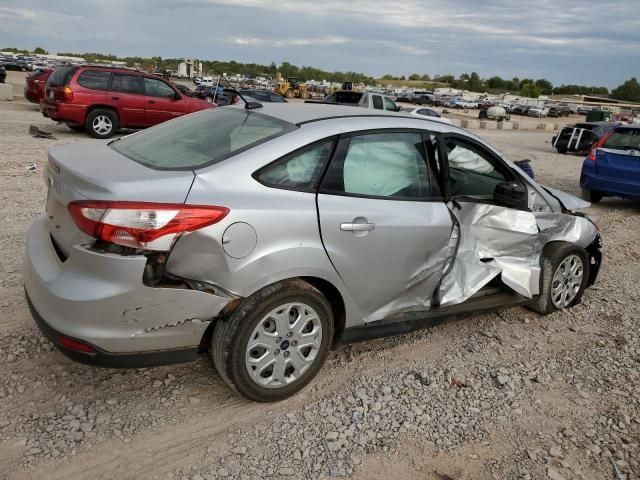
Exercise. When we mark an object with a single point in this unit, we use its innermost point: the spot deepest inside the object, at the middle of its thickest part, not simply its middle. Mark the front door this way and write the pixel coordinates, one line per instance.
(383, 224)
(493, 240)
(161, 103)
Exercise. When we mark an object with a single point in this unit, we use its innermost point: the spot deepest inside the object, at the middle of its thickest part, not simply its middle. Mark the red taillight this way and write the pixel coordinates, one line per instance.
(67, 93)
(598, 144)
(75, 345)
(143, 225)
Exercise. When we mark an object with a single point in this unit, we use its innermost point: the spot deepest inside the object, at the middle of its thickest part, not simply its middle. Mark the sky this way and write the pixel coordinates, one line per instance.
(587, 42)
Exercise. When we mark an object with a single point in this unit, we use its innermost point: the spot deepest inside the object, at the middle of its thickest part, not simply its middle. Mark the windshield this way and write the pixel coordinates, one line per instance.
(200, 139)
(624, 139)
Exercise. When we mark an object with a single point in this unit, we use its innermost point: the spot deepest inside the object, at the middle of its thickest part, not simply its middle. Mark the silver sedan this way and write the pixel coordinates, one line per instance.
(267, 235)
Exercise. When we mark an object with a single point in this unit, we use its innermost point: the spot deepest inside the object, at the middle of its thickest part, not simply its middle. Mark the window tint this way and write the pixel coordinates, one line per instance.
(300, 170)
(200, 139)
(157, 88)
(126, 84)
(624, 139)
(470, 170)
(61, 76)
(277, 98)
(377, 102)
(344, 97)
(381, 165)
(390, 104)
(94, 79)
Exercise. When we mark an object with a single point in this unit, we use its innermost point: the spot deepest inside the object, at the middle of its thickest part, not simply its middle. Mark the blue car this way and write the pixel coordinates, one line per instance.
(613, 166)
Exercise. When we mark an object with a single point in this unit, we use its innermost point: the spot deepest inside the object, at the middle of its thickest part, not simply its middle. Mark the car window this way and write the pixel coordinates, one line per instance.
(157, 88)
(390, 165)
(126, 84)
(300, 170)
(277, 98)
(624, 138)
(390, 105)
(471, 170)
(201, 139)
(94, 79)
(377, 102)
(61, 76)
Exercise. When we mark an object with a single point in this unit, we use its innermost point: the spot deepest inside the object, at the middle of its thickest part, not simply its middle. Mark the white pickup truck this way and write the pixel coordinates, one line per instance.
(375, 101)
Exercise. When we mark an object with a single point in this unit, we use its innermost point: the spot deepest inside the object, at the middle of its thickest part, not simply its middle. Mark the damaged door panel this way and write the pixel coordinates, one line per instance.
(492, 239)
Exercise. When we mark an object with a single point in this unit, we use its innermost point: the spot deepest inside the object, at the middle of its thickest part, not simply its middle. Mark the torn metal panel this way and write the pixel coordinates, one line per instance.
(494, 240)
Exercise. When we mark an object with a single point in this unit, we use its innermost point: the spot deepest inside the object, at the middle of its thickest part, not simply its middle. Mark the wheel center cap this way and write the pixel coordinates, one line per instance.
(284, 345)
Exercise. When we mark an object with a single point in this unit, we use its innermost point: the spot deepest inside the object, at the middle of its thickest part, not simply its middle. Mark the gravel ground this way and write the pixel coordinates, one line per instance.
(510, 395)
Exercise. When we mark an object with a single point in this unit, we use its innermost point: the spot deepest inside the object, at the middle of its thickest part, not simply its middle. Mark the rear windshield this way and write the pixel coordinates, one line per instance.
(624, 139)
(200, 139)
(61, 76)
(344, 97)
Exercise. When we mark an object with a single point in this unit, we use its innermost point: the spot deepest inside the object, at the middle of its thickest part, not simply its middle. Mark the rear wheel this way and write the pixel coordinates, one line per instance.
(564, 276)
(562, 150)
(275, 342)
(592, 196)
(101, 123)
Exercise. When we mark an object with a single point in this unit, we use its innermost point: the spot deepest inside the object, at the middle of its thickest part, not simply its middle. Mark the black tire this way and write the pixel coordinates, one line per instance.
(561, 150)
(93, 130)
(552, 257)
(592, 196)
(231, 336)
(76, 128)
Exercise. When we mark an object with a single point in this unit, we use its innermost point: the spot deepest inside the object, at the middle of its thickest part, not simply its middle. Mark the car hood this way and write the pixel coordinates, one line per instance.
(568, 201)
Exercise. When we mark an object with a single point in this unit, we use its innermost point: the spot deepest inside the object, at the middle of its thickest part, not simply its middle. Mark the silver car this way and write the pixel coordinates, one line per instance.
(269, 235)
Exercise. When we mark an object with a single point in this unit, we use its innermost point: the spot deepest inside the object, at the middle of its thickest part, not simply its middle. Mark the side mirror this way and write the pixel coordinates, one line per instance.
(512, 194)
(398, 109)
(177, 96)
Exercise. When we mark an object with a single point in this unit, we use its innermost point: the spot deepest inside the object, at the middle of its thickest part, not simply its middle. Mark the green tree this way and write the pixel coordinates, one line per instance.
(529, 90)
(40, 51)
(544, 85)
(629, 90)
(415, 76)
(474, 83)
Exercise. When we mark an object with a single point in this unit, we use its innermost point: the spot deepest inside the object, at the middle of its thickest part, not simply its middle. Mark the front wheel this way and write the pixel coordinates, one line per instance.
(564, 276)
(275, 342)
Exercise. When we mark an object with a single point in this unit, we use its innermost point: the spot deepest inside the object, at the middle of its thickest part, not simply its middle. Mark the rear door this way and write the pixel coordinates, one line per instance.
(126, 94)
(383, 223)
(161, 103)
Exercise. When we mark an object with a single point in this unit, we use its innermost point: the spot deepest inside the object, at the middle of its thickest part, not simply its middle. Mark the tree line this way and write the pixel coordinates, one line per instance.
(527, 87)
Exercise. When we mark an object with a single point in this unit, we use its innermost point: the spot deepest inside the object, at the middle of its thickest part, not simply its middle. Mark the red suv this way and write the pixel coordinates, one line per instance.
(103, 99)
(35, 83)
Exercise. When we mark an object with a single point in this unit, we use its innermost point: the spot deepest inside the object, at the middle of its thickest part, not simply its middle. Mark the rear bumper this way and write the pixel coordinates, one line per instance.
(620, 186)
(64, 112)
(102, 358)
(99, 299)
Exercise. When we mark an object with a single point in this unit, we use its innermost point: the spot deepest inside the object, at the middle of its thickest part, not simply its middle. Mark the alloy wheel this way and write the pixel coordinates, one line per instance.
(567, 281)
(283, 345)
(102, 125)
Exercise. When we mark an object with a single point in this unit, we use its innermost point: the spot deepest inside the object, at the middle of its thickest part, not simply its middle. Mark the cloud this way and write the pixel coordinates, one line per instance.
(559, 41)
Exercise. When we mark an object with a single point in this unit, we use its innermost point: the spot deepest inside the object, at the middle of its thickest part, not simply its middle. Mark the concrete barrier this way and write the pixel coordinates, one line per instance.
(6, 92)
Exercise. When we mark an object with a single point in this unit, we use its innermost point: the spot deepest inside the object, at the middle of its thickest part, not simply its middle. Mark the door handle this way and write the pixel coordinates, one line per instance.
(357, 227)
(115, 98)
(152, 101)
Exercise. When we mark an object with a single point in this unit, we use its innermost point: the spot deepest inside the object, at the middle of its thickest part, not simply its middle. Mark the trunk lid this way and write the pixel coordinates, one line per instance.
(88, 170)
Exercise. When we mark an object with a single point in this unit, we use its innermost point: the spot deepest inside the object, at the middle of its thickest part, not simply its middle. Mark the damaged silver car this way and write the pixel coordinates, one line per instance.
(268, 235)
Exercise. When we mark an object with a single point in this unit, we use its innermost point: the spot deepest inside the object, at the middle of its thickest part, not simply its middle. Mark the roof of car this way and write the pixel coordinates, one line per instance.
(634, 126)
(299, 113)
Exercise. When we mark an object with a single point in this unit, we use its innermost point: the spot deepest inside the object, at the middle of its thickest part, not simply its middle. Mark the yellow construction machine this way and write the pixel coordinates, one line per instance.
(291, 88)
